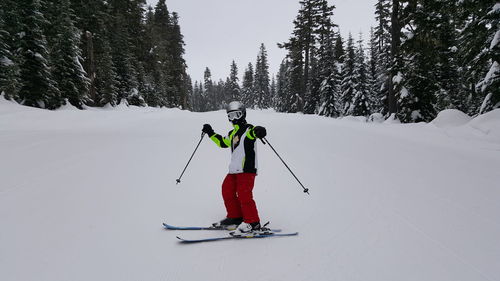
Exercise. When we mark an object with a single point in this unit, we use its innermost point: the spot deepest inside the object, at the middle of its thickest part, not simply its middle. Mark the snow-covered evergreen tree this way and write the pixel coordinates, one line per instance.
(121, 51)
(375, 95)
(9, 70)
(178, 64)
(209, 93)
(418, 102)
(328, 64)
(451, 92)
(381, 54)
(282, 87)
(348, 84)
(272, 92)
(312, 97)
(106, 79)
(65, 56)
(261, 80)
(490, 84)
(232, 85)
(479, 50)
(197, 100)
(38, 88)
(360, 105)
(247, 89)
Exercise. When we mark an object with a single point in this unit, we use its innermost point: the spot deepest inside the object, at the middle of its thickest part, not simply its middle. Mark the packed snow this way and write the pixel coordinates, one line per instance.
(83, 194)
(451, 118)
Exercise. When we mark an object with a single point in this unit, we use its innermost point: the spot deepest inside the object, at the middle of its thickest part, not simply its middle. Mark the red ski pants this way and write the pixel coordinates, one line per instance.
(238, 197)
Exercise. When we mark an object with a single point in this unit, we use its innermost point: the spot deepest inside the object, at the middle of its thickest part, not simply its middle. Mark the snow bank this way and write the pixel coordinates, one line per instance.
(488, 123)
(451, 118)
(376, 118)
(354, 118)
(392, 120)
(68, 106)
(8, 106)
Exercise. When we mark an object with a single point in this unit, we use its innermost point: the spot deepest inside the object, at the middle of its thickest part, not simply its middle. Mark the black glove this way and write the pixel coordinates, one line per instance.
(207, 129)
(260, 132)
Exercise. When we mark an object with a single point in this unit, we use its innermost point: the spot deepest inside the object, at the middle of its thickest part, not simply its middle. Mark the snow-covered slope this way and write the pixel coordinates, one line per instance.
(83, 195)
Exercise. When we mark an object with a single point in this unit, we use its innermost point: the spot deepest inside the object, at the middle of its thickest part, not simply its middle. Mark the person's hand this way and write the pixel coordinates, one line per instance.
(260, 132)
(207, 129)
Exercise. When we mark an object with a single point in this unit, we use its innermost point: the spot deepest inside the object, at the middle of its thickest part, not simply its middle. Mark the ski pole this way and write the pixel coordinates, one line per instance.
(306, 190)
(179, 179)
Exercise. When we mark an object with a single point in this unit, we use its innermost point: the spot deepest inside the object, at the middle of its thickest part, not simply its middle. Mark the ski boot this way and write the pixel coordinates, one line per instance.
(228, 223)
(251, 229)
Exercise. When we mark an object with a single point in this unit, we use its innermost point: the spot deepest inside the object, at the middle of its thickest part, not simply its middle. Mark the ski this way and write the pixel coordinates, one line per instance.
(262, 236)
(173, 227)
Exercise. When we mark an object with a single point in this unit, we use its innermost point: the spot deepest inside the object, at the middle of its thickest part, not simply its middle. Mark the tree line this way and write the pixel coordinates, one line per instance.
(92, 52)
(424, 56)
(256, 90)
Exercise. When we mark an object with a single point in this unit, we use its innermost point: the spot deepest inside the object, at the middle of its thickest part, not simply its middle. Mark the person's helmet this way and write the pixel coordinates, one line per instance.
(236, 111)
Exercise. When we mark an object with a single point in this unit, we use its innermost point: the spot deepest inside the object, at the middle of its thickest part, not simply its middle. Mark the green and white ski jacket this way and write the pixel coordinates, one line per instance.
(243, 149)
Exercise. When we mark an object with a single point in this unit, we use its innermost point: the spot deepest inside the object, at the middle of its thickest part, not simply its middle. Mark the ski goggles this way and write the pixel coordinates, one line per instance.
(234, 115)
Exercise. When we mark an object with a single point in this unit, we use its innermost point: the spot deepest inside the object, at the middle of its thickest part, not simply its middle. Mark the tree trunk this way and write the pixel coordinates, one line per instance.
(395, 47)
(91, 67)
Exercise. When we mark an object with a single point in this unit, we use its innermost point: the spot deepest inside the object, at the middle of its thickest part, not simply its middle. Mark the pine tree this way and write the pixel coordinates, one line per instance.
(197, 99)
(295, 96)
(312, 20)
(232, 84)
(451, 90)
(282, 87)
(381, 54)
(178, 64)
(106, 79)
(9, 82)
(329, 90)
(490, 84)
(328, 65)
(38, 89)
(312, 96)
(247, 90)
(479, 52)
(360, 102)
(220, 94)
(376, 96)
(153, 77)
(299, 47)
(92, 20)
(261, 80)
(272, 92)
(136, 34)
(348, 84)
(66, 55)
(121, 51)
(209, 93)
(339, 52)
(417, 103)
(320, 55)
(162, 31)
(188, 84)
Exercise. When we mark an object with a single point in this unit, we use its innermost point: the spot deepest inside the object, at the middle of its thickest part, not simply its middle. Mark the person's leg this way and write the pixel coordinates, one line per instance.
(245, 183)
(230, 197)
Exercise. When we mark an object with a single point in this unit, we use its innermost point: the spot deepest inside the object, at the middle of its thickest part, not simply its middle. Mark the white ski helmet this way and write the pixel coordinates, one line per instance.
(235, 111)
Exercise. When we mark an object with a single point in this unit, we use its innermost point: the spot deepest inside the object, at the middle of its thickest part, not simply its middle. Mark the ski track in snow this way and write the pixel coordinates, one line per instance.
(83, 195)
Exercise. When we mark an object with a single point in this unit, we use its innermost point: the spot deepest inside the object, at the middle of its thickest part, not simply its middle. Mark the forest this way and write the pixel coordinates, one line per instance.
(423, 56)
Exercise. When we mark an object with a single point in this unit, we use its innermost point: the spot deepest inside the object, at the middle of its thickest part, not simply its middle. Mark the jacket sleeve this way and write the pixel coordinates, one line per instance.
(220, 141)
(251, 133)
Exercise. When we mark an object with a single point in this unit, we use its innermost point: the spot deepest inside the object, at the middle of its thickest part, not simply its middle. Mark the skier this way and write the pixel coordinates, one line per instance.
(238, 184)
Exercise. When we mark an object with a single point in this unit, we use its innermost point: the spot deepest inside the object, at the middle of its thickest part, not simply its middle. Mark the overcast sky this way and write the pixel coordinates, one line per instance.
(218, 31)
